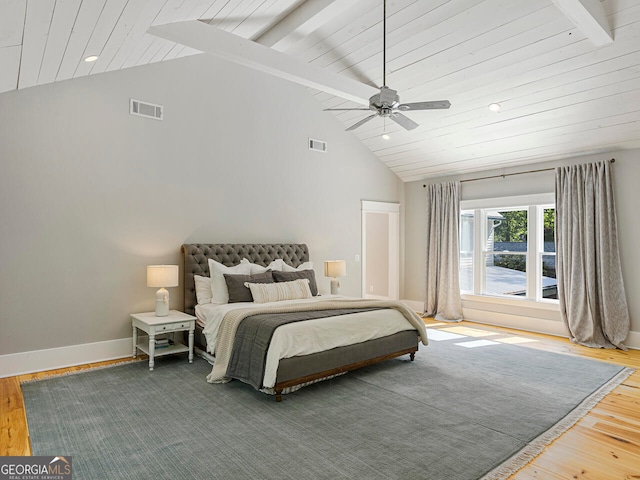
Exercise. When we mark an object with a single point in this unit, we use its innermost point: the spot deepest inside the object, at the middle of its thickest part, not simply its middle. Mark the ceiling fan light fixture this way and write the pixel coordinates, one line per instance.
(385, 136)
(495, 107)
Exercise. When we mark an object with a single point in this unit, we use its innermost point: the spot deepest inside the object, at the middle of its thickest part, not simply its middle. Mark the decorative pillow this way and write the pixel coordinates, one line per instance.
(289, 276)
(235, 284)
(304, 266)
(255, 268)
(276, 292)
(203, 289)
(219, 292)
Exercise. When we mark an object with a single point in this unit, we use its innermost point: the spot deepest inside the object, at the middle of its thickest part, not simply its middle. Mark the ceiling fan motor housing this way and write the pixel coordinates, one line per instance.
(386, 99)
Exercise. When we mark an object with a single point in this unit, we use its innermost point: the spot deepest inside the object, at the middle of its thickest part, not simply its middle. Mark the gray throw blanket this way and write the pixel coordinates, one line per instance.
(249, 353)
(229, 325)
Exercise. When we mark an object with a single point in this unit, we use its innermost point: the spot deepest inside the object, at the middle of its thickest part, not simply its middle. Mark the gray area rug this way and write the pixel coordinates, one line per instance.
(454, 413)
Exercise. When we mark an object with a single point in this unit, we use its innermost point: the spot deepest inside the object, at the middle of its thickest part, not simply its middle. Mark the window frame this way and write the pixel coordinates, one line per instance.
(535, 206)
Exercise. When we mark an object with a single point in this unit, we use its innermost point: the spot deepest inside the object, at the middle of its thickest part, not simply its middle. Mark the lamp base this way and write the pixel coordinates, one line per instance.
(335, 287)
(162, 303)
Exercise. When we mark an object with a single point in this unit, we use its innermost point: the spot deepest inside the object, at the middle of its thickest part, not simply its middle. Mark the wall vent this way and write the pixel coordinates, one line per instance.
(317, 145)
(144, 109)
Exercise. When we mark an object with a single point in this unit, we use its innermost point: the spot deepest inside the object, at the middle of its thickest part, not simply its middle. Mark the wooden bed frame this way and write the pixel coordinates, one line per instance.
(295, 371)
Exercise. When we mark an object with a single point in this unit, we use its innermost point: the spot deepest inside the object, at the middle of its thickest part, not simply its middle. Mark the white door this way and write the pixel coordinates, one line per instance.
(380, 250)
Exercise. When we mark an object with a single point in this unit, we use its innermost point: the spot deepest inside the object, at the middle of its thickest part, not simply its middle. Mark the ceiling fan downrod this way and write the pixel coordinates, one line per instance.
(384, 43)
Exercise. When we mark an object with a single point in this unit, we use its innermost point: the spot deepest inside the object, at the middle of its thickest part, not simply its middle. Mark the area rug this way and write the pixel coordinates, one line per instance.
(454, 413)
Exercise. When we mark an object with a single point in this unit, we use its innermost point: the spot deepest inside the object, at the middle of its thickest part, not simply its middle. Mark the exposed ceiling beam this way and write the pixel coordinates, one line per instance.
(589, 16)
(228, 46)
(302, 21)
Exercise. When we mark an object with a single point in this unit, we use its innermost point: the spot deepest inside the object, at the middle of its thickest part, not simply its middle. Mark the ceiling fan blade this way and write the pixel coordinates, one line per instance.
(439, 104)
(362, 122)
(344, 109)
(404, 122)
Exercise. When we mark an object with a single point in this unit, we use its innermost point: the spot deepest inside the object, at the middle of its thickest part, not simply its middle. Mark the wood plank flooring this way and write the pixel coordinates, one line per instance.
(14, 431)
(604, 445)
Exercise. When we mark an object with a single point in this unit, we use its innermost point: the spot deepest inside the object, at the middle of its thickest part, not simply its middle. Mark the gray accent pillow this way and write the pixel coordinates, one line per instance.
(238, 292)
(290, 276)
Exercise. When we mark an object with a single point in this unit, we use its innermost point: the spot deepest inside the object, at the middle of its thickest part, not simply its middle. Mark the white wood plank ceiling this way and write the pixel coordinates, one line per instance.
(564, 87)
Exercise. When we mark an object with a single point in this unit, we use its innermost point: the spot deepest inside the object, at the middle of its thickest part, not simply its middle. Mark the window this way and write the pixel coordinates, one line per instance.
(507, 247)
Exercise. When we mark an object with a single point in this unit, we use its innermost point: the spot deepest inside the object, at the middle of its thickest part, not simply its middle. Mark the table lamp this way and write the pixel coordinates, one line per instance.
(162, 276)
(335, 268)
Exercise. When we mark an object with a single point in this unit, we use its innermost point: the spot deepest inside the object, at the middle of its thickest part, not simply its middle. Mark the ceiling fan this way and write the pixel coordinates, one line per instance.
(387, 104)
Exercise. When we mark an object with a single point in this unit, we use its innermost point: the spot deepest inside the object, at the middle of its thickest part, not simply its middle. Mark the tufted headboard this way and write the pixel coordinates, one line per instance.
(196, 260)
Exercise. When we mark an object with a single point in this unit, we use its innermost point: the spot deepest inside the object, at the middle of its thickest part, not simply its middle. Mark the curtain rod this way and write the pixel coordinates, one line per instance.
(613, 160)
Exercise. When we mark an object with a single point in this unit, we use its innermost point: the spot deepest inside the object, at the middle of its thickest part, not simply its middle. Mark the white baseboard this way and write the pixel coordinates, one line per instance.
(414, 305)
(633, 340)
(52, 358)
(529, 324)
(518, 322)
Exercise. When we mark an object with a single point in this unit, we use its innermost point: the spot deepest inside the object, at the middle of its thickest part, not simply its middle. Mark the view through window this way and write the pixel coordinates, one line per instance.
(508, 251)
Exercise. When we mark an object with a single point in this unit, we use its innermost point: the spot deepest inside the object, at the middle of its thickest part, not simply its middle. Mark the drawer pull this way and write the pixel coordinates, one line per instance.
(177, 326)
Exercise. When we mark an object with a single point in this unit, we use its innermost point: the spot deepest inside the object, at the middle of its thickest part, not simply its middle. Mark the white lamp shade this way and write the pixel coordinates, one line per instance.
(162, 276)
(335, 268)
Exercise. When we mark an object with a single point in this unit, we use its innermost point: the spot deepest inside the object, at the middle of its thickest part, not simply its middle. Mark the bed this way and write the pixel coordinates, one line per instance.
(398, 335)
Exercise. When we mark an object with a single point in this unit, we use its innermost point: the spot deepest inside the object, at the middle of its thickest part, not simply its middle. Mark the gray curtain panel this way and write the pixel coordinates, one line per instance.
(590, 287)
(443, 252)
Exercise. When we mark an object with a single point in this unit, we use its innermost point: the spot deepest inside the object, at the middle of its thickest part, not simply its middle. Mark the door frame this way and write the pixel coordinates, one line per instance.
(393, 212)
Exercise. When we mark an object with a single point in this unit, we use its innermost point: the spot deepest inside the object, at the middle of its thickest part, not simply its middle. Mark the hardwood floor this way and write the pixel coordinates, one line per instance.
(604, 445)
(14, 431)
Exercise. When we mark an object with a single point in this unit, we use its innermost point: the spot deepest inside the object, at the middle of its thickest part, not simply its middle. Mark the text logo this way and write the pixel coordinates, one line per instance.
(35, 468)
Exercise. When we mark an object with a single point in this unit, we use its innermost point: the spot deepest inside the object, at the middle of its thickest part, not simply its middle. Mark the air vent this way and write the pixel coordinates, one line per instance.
(144, 109)
(317, 145)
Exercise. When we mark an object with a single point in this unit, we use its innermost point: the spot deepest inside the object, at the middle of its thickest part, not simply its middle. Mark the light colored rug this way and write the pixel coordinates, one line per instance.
(454, 413)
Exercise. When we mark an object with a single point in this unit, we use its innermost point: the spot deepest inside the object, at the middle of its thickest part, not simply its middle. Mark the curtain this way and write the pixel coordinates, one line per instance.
(443, 252)
(590, 286)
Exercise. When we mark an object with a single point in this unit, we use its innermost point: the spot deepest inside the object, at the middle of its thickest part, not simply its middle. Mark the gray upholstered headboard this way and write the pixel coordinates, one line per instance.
(196, 260)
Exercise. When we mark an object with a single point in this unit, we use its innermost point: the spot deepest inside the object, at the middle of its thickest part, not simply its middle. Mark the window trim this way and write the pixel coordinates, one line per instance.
(544, 304)
(535, 205)
(508, 202)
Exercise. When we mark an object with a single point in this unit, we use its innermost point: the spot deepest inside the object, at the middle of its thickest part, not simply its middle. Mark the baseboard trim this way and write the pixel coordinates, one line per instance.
(633, 340)
(414, 305)
(519, 322)
(52, 358)
(528, 324)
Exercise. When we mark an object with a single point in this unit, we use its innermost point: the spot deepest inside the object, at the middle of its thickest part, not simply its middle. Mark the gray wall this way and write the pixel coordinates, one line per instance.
(626, 172)
(90, 195)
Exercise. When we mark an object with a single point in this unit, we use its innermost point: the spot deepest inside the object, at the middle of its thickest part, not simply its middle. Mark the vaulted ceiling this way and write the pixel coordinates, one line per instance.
(566, 73)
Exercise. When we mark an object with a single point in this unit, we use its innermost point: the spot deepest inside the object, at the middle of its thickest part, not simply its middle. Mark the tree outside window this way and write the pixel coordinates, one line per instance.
(515, 254)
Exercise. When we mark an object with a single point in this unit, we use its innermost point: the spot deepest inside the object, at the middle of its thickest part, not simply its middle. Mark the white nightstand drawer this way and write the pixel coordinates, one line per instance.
(172, 327)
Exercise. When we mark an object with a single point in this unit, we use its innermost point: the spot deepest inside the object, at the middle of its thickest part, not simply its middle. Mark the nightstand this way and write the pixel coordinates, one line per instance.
(150, 324)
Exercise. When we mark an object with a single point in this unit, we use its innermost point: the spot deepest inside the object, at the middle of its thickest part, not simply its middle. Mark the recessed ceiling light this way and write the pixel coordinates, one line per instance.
(386, 136)
(494, 107)
(91, 58)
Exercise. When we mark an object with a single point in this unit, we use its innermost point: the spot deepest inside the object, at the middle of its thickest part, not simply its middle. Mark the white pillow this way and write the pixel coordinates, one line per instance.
(219, 290)
(303, 266)
(276, 292)
(255, 268)
(203, 289)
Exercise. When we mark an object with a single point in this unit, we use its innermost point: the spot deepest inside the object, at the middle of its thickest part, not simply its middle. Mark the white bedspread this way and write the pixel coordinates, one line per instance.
(303, 338)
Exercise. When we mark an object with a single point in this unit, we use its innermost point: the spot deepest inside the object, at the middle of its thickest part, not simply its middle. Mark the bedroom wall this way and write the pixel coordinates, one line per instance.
(90, 195)
(626, 172)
